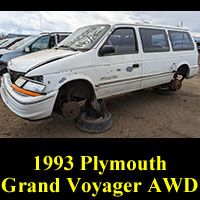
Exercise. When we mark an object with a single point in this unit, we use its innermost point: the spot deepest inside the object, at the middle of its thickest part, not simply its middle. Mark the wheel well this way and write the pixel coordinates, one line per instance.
(183, 70)
(76, 91)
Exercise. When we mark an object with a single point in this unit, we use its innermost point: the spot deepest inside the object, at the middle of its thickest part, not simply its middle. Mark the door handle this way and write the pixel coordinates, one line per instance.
(135, 65)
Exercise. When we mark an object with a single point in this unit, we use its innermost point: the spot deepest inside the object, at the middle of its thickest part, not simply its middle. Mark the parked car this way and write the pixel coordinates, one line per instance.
(96, 62)
(197, 40)
(13, 35)
(3, 41)
(198, 46)
(10, 42)
(29, 45)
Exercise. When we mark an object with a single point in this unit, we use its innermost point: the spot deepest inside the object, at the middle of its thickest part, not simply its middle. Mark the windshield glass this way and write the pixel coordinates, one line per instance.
(23, 43)
(7, 43)
(84, 38)
(3, 41)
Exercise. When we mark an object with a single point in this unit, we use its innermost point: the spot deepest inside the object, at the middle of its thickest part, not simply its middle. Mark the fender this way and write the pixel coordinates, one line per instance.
(56, 82)
(182, 63)
(79, 77)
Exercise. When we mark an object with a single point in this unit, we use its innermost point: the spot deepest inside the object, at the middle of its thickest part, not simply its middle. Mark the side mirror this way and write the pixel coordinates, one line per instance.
(27, 50)
(106, 49)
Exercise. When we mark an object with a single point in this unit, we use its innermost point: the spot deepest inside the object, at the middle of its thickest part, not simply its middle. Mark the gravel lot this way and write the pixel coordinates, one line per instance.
(142, 114)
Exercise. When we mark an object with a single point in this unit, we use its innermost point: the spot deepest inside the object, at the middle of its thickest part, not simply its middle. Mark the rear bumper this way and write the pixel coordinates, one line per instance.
(32, 108)
(193, 71)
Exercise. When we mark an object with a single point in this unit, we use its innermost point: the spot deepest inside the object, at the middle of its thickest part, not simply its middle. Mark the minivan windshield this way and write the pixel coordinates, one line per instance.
(23, 43)
(84, 38)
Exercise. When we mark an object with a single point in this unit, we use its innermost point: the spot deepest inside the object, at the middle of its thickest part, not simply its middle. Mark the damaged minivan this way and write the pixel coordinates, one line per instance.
(96, 62)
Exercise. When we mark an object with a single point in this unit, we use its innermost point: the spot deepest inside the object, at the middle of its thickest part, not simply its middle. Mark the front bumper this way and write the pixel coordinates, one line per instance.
(32, 108)
(193, 71)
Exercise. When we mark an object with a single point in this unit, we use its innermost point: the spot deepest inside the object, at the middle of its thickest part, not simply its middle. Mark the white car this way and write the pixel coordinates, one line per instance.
(95, 62)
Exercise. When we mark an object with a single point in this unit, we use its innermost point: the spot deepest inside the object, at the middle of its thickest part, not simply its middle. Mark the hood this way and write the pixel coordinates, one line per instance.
(7, 54)
(34, 60)
(4, 51)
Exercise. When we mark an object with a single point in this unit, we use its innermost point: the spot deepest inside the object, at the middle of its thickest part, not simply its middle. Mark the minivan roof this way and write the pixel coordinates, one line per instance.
(146, 24)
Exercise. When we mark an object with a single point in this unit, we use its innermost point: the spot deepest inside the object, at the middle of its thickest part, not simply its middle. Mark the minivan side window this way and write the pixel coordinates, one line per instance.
(154, 40)
(181, 41)
(123, 40)
(41, 43)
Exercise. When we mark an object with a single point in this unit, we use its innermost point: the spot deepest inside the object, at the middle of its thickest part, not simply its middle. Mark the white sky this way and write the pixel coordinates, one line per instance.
(29, 21)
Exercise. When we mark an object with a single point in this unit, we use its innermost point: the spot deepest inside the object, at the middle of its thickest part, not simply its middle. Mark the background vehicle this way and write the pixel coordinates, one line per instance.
(13, 35)
(10, 42)
(3, 40)
(197, 40)
(29, 45)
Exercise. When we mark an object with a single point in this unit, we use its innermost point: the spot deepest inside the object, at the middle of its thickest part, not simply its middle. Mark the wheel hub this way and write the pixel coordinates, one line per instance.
(176, 84)
(70, 110)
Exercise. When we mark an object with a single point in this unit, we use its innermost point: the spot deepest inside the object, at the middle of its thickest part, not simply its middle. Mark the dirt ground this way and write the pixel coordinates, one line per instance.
(141, 114)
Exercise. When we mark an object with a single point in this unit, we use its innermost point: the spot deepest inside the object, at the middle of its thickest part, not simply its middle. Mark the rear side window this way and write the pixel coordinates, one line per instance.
(154, 40)
(181, 41)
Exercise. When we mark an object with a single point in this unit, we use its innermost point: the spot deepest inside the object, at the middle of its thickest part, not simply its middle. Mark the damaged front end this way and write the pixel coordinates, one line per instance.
(14, 75)
(25, 97)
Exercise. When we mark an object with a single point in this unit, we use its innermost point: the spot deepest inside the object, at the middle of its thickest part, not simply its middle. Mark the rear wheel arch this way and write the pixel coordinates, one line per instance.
(183, 70)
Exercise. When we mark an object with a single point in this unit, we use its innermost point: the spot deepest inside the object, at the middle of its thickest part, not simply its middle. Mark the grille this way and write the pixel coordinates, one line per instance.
(15, 75)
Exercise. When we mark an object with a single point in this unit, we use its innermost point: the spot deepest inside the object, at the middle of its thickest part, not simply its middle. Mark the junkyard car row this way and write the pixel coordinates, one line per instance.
(28, 45)
(91, 64)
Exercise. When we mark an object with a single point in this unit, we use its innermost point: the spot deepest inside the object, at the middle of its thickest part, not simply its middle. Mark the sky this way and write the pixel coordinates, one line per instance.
(34, 22)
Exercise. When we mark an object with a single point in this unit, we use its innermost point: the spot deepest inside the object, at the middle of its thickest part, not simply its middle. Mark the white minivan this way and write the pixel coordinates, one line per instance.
(95, 62)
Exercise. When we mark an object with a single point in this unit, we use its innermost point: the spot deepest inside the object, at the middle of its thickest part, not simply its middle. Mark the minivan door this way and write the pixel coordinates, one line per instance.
(158, 65)
(119, 71)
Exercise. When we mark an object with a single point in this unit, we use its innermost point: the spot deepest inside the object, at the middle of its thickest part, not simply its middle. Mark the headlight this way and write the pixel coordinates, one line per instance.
(28, 86)
(34, 87)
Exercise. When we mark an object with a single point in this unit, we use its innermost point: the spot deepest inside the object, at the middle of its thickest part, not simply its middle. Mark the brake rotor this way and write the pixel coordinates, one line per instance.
(70, 110)
(176, 84)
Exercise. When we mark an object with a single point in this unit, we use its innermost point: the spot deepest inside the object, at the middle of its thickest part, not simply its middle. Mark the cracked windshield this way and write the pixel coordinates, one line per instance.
(84, 38)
